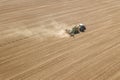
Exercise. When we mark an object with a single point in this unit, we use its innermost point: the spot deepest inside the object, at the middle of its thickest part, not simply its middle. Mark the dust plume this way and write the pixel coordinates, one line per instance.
(51, 29)
(54, 29)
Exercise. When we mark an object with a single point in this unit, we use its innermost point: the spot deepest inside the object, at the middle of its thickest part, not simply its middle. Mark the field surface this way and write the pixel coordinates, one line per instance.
(34, 46)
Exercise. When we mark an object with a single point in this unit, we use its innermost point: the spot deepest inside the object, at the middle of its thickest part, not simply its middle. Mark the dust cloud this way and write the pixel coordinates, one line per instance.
(52, 29)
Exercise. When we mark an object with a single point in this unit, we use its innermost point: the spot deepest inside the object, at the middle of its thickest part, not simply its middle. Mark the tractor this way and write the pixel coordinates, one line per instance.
(76, 30)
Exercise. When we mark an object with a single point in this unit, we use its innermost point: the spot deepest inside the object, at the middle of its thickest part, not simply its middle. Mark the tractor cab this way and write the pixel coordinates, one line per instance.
(82, 27)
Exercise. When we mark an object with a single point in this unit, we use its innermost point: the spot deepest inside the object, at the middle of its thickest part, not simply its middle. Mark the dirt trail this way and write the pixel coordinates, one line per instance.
(34, 46)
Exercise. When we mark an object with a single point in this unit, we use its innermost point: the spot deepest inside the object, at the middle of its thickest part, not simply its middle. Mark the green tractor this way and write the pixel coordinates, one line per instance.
(76, 30)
